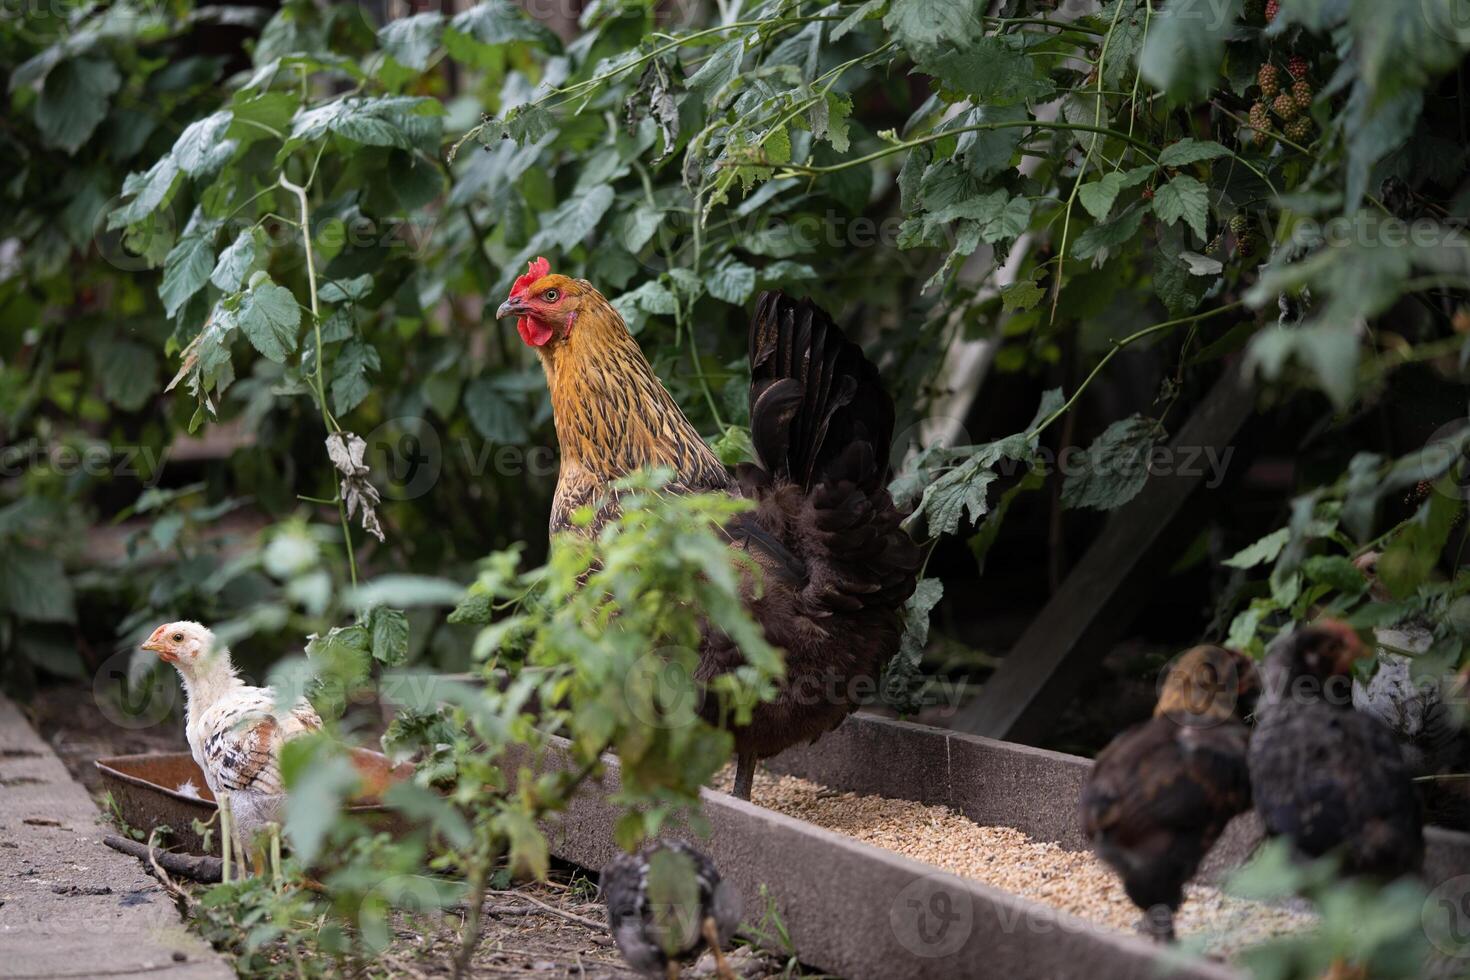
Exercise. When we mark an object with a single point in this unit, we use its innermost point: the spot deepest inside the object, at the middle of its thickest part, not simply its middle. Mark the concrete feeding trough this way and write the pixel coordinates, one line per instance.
(863, 912)
(149, 791)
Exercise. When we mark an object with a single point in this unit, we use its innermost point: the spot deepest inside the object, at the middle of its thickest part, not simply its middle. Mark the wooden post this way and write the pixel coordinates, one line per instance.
(1109, 585)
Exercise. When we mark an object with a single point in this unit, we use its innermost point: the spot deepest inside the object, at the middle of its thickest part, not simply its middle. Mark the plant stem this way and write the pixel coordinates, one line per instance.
(1102, 57)
(328, 421)
(793, 169)
(1119, 345)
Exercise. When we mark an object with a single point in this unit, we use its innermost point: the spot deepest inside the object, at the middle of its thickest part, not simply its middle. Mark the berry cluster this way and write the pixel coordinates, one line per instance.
(1245, 236)
(1291, 104)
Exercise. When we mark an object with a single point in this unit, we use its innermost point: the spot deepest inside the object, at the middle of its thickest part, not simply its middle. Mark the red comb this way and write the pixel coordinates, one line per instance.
(534, 270)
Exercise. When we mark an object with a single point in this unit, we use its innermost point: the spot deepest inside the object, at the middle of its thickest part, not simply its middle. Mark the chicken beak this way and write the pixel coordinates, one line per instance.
(154, 644)
(511, 307)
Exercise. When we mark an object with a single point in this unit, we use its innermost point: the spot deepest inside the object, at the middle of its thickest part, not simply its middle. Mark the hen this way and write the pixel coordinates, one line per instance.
(235, 731)
(1162, 792)
(655, 931)
(1326, 777)
(837, 565)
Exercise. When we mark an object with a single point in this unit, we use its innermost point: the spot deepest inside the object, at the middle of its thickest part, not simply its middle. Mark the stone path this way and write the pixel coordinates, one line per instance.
(69, 905)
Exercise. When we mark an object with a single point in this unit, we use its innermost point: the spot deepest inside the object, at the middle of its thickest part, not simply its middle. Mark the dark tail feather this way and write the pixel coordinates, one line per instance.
(813, 397)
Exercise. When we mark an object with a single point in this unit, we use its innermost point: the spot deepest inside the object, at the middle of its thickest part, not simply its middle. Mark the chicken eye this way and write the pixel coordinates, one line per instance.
(178, 637)
(550, 295)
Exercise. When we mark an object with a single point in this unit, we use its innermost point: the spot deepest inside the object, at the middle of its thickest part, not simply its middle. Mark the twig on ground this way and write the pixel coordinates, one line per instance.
(569, 916)
(171, 886)
(194, 867)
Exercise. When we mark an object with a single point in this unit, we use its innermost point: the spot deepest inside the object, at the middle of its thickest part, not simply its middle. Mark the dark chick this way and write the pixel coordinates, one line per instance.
(665, 905)
(1328, 778)
(1162, 792)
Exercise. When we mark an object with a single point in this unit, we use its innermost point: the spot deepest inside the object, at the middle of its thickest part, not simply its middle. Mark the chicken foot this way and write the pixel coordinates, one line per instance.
(1158, 924)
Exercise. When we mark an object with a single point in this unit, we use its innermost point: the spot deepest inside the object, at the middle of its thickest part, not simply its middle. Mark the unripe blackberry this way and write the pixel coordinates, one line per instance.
(1297, 66)
(1302, 93)
(1260, 118)
(1240, 224)
(1273, 7)
(1245, 245)
(1285, 106)
(1214, 245)
(1300, 130)
(1148, 193)
(1269, 78)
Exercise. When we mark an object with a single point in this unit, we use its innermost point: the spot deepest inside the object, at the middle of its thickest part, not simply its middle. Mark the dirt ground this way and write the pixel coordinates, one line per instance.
(550, 929)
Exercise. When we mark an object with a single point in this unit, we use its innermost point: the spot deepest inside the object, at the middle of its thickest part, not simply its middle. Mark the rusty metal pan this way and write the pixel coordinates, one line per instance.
(147, 791)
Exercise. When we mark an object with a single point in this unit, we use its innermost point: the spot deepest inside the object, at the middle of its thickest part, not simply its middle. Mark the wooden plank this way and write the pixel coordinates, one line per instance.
(1109, 585)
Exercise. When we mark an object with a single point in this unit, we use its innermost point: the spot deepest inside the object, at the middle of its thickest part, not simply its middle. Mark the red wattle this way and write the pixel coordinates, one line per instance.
(533, 332)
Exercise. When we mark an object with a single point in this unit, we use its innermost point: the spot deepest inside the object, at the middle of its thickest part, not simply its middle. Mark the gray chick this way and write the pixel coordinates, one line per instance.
(654, 927)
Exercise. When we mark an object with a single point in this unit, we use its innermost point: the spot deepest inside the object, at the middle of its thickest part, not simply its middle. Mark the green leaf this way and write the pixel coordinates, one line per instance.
(922, 24)
(187, 267)
(1262, 551)
(1173, 277)
(902, 677)
(491, 413)
(1115, 467)
(202, 148)
(965, 488)
(269, 318)
(576, 218)
(1097, 241)
(1335, 571)
(1098, 196)
(411, 40)
(319, 783)
(990, 71)
(34, 586)
(1020, 295)
(149, 190)
(344, 290)
(839, 107)
(719, 69)
(129, 373)
(349, 375)
(1191, 150)
(1127, 31)
(390, 635)
(1187, 198)
(1329, 350)
(238, 260)
(1186, 43)
(638, 226)
(74, 100)
(732, 281)
(494, 22)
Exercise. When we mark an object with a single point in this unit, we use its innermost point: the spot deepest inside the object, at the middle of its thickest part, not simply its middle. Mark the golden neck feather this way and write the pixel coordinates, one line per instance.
(612, 414)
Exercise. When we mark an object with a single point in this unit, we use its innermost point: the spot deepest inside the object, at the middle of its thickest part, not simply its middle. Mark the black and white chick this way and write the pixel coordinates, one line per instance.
(659, 917)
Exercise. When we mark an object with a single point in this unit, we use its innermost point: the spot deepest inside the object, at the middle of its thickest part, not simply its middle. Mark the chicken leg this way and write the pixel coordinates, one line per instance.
(744, 774)
(712, 937)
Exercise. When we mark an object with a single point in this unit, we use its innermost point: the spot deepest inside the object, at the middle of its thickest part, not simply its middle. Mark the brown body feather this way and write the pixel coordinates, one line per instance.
(838, 566)
(1161, 793)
